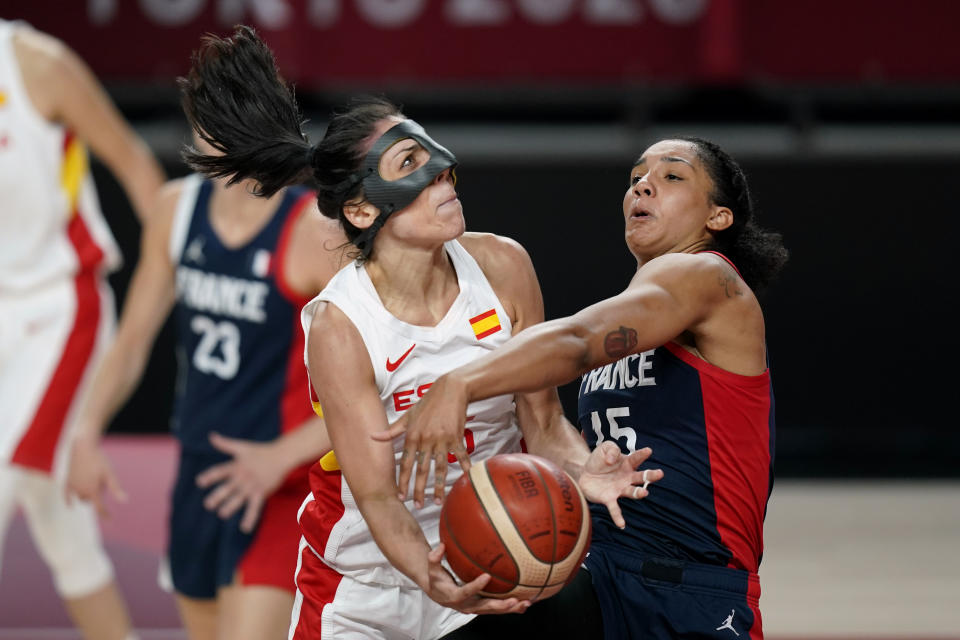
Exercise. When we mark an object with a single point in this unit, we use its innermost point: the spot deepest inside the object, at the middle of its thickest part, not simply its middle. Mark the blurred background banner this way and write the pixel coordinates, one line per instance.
(845, 115)
(322, 43)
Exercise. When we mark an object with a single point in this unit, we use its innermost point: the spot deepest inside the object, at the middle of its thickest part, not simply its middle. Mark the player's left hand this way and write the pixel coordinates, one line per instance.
(609, 474)
(255, 471)
(442, 588)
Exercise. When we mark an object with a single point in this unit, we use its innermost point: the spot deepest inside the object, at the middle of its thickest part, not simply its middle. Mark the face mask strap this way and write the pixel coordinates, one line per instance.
(364, 241)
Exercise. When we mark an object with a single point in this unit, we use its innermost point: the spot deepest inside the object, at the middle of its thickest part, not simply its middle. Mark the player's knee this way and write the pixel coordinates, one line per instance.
(80, 573)
(76, 559)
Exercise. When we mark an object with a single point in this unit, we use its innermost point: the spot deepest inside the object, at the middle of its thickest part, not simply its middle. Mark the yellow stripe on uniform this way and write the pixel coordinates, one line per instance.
(329, 462)
(73, 171)
(317, 409)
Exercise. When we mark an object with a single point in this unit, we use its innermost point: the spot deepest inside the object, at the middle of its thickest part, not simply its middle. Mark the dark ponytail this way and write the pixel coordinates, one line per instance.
(237, 102)
(758, 254)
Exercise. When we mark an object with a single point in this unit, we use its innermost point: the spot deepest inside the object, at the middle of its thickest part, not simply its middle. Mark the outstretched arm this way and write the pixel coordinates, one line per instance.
(149, 300)
(435, 423)
(63, 89)
(667, 297)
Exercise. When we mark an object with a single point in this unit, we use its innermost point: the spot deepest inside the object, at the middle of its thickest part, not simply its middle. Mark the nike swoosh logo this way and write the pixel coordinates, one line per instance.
(392, 366)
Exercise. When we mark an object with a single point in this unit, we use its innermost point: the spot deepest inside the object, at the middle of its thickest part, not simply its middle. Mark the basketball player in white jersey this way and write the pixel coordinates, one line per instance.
(420, 299)
(56, 308)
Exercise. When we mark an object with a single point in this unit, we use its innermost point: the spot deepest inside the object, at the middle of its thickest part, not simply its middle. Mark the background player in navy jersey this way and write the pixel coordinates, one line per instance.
(236, 270)
(56, 306)
(382, 330)
(677, 361)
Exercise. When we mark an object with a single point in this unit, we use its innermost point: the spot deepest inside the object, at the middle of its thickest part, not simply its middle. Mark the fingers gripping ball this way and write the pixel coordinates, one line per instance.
(521, 519)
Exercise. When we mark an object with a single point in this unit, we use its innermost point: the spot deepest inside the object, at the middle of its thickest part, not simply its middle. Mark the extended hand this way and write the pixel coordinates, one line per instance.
(609, 475)
(248, 479)
(444, 590)
(434, 428)
(91, 475)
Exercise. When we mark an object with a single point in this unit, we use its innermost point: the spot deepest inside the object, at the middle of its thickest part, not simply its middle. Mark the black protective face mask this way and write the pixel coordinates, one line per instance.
(392, 195)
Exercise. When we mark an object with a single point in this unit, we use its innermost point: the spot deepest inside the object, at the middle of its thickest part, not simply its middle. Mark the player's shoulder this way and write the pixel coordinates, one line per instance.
(41, 55)
(687, 265)
(497, 255)
(165, 204)
(169, 195)
(330, 325)
(705, 274)
(317, 250)
(34, 41)
(313, 223)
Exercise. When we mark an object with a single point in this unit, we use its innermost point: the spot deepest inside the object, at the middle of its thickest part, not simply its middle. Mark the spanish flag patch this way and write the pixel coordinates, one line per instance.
(485, 324)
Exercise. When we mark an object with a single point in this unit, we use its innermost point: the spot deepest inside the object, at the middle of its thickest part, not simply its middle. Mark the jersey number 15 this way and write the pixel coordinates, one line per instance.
(616, 431)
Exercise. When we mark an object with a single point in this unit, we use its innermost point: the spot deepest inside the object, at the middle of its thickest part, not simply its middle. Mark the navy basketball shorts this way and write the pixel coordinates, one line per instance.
(664, 599)
(572, 613)
(207, 552)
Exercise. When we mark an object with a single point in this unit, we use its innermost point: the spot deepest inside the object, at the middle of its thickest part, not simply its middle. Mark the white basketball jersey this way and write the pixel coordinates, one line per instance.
(51, 226)
(406, 360)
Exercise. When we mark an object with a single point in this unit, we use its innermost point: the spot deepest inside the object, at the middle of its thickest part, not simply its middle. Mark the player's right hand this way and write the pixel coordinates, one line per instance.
(444, 590)
(433, 429)
(90, 475)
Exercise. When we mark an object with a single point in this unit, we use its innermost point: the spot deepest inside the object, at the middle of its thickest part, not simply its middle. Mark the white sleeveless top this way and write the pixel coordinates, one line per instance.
(406, 359)
(51, 226)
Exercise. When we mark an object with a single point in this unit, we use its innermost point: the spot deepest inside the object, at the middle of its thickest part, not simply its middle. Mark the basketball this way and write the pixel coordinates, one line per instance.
(520, 518)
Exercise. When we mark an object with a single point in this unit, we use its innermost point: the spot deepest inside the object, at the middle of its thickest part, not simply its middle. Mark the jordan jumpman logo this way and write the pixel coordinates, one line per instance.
(728, 623)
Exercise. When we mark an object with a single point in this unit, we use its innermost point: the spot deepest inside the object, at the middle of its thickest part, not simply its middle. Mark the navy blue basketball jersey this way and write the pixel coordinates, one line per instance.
(239, 343)
(712, 433)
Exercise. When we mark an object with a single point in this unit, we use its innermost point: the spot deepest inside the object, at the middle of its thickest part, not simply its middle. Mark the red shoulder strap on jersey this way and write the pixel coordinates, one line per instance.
(279, 271)
(725, 258)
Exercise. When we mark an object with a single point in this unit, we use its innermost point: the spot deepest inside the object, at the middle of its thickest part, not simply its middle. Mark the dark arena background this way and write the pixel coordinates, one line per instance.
(845, 116)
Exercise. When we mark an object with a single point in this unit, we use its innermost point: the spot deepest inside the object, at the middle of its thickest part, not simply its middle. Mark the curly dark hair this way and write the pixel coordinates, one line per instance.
(236, 100)
(758, 253)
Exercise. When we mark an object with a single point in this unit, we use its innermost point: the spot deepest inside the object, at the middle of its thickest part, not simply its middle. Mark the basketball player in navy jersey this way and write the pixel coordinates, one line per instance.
(235, 269)
(56, 306)
(678, 362)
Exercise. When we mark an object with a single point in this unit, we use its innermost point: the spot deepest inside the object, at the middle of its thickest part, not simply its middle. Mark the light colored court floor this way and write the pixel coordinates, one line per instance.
(845, 560)
(862, 559)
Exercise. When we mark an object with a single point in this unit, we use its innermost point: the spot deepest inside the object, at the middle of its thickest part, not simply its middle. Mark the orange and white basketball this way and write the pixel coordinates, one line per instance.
(520, 518)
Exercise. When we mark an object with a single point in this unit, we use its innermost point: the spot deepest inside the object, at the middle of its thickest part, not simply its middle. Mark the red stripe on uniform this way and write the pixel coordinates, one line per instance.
(318, 584)
(485, 314)
(725, 259)
(753, 601)
(279, 258)
(271, 558)
(38, 445)
(488, 332)
(294, 408)
(321, 514)
(736, 413)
